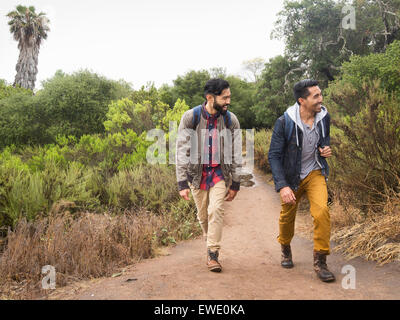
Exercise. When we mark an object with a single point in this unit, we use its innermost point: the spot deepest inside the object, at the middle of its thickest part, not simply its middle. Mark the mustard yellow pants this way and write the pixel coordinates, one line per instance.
(314, 186)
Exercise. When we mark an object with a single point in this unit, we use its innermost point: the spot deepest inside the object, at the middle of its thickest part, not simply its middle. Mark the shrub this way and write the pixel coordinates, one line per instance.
(152, 187)
(8, 91)
(262, 141)
(77, 104)
(22, 121)
(26, 194)
(346, 96)
(140, 117)
(110, 153)
(367, 166)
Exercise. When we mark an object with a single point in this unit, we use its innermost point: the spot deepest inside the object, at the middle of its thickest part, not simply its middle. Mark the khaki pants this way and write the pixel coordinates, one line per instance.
(314, 186)
(210, 212)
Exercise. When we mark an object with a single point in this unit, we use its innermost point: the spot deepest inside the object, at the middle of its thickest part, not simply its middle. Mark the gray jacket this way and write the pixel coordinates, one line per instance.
(190, 146)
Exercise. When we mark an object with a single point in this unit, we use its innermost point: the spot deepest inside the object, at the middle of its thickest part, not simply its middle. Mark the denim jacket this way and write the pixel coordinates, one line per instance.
(285, 152)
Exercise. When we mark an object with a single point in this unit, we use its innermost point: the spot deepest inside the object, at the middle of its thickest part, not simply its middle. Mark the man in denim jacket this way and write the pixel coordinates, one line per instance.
(299, 148)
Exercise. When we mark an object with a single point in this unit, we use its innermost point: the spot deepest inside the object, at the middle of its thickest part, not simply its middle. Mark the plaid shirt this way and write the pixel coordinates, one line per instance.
(212, 172)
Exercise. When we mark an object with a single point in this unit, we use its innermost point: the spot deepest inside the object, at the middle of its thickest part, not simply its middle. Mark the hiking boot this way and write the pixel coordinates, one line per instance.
(286, 258)
(321, 267)
(212, 261)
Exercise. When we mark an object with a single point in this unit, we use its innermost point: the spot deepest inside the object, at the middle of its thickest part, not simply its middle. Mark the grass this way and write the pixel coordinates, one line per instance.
(85, 245)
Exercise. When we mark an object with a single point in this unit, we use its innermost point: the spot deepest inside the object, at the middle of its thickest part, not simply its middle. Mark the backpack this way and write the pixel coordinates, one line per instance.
(197, 115)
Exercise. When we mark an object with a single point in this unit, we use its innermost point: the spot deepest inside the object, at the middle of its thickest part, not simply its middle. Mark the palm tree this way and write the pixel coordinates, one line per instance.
(28, 28)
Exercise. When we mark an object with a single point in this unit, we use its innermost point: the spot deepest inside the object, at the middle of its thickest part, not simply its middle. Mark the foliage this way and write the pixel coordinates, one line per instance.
(29, 194)
(151, 187)
(366, 166)
(317, 41)
(346, 96)
(23, 121)
(274, 95)
(68, 105)
(262, 141)
(243, 98)
(77, 104)
(139, 117)
(174, 115)
(7, 91)
(190, 87)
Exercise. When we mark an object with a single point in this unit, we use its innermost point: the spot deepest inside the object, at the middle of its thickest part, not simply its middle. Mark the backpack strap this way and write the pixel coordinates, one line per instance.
(289, 126)
(228, 120)
(196, 116)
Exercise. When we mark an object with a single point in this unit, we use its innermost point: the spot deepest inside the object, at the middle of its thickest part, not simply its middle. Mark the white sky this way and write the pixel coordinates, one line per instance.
(151, 40)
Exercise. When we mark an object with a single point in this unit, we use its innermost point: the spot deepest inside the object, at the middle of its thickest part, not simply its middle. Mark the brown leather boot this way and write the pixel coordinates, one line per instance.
(212, 261)
(286, 258)
(321, 267)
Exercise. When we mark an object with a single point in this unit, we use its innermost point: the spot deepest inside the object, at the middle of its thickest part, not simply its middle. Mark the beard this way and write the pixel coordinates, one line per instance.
(221, 108)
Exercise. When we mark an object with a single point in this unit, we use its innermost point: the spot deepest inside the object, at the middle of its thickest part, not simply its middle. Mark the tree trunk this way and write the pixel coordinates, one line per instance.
(27, 64)
(328, 74)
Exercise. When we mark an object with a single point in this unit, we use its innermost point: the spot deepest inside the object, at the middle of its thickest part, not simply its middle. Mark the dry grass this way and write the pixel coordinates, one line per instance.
(344, 214)
(377, 238)
(80, 246)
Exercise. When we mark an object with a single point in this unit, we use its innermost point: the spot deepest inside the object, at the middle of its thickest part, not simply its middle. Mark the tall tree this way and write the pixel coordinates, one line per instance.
(29, 29)
(319, 40)
(274, 90)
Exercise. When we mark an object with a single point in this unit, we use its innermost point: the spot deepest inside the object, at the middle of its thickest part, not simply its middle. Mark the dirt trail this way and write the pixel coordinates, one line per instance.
(251, 260)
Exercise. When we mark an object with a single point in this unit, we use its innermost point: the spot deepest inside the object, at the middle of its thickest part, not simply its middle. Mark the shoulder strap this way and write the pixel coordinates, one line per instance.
(289, 125)
(228, 120)
(196, 116)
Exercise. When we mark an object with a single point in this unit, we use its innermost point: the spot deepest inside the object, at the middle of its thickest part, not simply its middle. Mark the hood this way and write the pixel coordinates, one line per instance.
(294, 114)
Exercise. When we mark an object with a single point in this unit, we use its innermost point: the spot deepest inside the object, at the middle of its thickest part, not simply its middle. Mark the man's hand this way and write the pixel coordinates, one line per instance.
(231, 195)
(288, 196)
(326, 152)
(185, 194)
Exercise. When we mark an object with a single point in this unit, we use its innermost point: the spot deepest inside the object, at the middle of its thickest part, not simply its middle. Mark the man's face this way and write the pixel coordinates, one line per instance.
(222, 102)
(313, 102)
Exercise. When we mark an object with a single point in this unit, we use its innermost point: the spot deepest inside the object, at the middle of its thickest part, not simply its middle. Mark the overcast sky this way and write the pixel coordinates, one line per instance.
(141, 41)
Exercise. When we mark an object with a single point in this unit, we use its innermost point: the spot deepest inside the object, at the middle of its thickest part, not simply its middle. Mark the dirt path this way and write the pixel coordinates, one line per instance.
(251, 261)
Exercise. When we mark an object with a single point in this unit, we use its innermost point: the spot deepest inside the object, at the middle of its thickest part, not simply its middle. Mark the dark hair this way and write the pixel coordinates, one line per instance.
(215, 87)
(300, 89)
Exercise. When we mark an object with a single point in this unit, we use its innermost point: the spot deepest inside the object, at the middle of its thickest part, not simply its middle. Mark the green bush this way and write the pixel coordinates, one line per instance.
(150, 187)
(29, 194)
(77, 104)
(110, 153)
(262, 141)
(8, 91)
(346, 96)
(140, 117)
(273, 95)
(22, 121)
(68, 105)
(367, 150)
